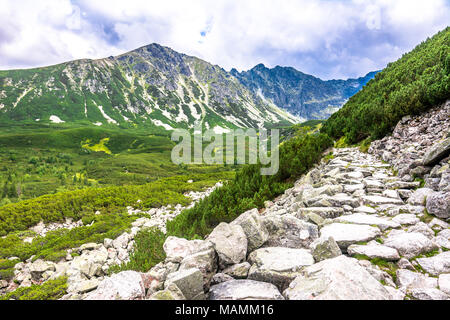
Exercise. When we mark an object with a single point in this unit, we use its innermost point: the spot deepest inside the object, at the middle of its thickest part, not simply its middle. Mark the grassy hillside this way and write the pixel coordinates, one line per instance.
(411, 85)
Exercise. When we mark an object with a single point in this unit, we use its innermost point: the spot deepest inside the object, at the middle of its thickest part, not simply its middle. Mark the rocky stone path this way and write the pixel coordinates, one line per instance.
(349, 229)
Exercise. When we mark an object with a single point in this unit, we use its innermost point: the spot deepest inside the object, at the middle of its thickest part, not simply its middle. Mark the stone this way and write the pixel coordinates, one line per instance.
(230, 243)
(365, 219)
(38, 267)
(125, 285)
(379, 200)
(205, 261)
(325, 248)
(410, 244)
(437, 264)
(244, 290)
(346, 234)
(324, 212)
(428, 294)
(342, 199)
(290, 232)
(444, 283)
(278, 265)
(437, 152)
(238, 271)
(177, 249)
(391, 194)
(220, 277)
(121, 242)
(88, 246)
(418, 198)
(408, 280)
(172, 292)
(365, 209)
(422, 228)
(406, 219)
(190, 283)
(87, 285)
(254, 229)
(340, 278)
(438, 204)
(374, 251)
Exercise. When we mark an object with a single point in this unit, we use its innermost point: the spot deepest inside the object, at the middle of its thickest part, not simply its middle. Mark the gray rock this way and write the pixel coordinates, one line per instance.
(221, 277)
(379, 200)
(325, 248)
(38, 267)
(278, 265)
(365, 219)
(439, 204)
(406, 219)
(324, 212)
(254, 229)
(346, 234)
(410, 244)
(437, 152)
(245, 290)
(340, 278)
(418, 198)
(437, 264)
(177, 249)
(290, 232)
(126, 285)
(374, 251)
(428, 294)
(408, 280)
(205, 261)
(238, 271)
(444, 283)
(230, 243)
(190, 283)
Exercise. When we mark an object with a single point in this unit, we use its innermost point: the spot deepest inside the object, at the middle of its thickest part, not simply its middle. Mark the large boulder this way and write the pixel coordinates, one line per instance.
(340, 278)
(177, 249)
(190, 283)
(205, 261)
(290, 232)
(171, 293)
(278, 265)
(409, 244)
(254, 229)
(230, 243)
(437, 152)
(244, 290)
(38, 268)
(436, 265)
(126, 285)
(346, 234)
(438, 204)
(419, 196)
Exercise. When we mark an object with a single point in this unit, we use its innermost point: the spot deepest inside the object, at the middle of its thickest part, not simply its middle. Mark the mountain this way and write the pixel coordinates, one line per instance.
(151, 86)
(300, 94)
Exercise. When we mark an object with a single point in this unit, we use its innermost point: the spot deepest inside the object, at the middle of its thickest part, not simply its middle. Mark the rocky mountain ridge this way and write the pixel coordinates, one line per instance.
(301, 94)
(153, 86)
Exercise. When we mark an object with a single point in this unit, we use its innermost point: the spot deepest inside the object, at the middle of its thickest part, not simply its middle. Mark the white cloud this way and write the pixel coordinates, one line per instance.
(326, 38)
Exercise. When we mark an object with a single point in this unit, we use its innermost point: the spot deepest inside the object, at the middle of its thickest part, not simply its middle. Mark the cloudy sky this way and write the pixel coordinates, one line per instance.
(329, 39)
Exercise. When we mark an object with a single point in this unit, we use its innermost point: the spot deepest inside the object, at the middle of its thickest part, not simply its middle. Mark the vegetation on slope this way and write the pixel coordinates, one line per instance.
(409, 86)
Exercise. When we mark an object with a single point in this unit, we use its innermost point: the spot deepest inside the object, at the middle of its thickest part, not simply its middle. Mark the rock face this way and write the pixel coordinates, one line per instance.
(245, 290)
(190, 283)
(339, 278)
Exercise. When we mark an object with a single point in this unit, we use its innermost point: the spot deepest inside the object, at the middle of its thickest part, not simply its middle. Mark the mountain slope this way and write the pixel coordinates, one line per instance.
(300, 94)
(151, 86)
(413, 84)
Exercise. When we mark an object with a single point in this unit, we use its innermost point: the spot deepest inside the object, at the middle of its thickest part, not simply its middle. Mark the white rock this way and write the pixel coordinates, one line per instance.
(346, 234)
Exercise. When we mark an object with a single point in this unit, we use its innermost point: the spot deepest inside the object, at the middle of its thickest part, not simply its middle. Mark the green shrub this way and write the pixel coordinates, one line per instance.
(147, 252)
(49, 290)
(409, 86)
